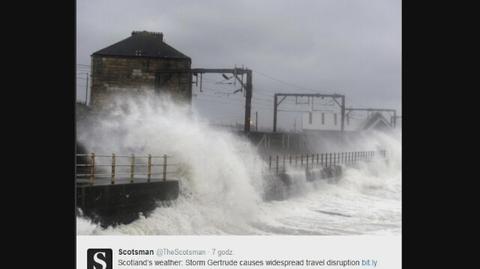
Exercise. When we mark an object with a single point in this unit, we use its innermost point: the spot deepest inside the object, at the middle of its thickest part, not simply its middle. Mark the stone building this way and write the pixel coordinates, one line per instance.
(140, 63)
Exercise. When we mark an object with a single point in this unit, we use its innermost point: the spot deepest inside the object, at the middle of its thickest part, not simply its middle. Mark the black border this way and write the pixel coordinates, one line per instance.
(44, 217)
(429, 186)
(41, 129)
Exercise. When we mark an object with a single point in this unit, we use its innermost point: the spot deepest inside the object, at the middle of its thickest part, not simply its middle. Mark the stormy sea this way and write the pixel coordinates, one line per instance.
(223, 179)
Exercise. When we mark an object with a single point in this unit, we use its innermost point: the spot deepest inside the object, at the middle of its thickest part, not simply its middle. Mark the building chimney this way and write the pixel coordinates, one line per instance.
(146, 33)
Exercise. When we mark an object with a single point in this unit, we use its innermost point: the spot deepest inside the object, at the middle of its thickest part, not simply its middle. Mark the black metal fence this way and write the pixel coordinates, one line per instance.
(279, 163)
(112, 169)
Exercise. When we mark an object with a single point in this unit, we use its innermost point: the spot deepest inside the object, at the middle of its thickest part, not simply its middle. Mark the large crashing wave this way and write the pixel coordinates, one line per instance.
(222, 181)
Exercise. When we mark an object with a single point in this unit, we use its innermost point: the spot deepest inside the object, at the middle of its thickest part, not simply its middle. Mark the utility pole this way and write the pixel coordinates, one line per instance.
(275, 104)
(248, 101)
(248, 86)
(342, 114)
(86, 91)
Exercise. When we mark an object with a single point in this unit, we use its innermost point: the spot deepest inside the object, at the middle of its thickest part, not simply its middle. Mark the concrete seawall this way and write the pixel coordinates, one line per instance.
(122, 203)
(281, 186)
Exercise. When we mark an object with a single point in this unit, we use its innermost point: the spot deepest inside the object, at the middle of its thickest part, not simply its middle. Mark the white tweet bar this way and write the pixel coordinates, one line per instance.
(106, 252)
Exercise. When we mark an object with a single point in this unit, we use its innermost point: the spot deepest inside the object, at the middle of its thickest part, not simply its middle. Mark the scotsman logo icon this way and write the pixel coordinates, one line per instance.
(99, 258)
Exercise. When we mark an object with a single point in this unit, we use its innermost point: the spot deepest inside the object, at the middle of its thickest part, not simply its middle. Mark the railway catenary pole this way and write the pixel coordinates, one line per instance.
(248, 86)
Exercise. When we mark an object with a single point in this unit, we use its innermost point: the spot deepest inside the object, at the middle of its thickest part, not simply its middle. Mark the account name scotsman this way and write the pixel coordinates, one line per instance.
(176, 251)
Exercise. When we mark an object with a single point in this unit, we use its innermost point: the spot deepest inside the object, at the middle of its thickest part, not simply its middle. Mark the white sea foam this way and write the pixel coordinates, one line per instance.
(222, 181)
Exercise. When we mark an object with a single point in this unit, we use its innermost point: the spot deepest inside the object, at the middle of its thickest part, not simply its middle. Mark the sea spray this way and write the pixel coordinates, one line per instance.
(217, 169)
(222, 182)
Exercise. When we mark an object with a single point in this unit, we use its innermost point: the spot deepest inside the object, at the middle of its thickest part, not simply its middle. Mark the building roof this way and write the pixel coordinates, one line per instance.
(142, 44)
(377, 121)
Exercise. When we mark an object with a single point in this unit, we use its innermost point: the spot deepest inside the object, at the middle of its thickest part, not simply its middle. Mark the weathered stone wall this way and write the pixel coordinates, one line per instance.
(114, 75)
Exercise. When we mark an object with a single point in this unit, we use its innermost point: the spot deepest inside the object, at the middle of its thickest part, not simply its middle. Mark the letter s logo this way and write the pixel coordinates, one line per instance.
(100, 261)
(99, 258)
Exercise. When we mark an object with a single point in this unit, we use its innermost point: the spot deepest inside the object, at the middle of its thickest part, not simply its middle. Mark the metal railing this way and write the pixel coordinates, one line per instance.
(279, 163)
(93, 168)
(131, 168)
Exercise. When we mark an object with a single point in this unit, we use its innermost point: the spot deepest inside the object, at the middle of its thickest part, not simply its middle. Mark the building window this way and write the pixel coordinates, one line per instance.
(335, 118)
(310, 116)
(348, 119)
(323, 118)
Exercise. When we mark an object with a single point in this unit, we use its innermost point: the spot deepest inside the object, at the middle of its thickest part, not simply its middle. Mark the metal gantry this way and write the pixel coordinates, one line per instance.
(244, 86)
(339, 99)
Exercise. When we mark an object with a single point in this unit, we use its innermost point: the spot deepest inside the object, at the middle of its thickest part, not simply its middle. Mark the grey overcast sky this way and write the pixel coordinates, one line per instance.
(351, 47)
